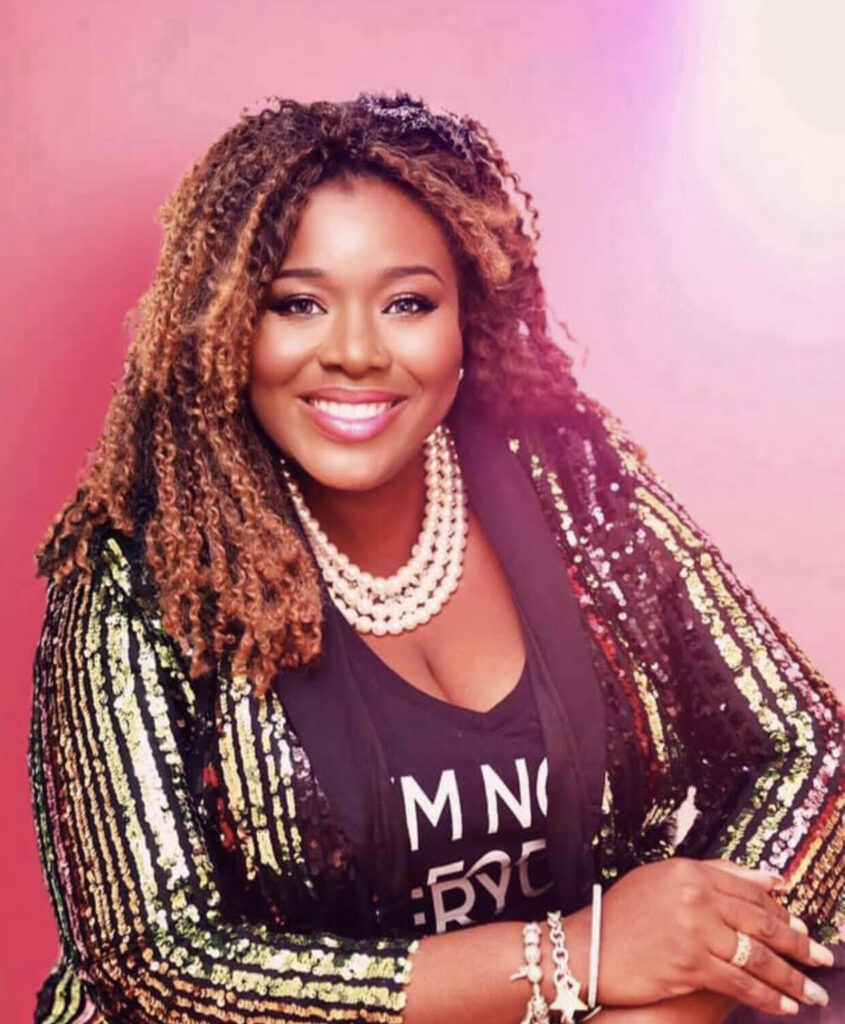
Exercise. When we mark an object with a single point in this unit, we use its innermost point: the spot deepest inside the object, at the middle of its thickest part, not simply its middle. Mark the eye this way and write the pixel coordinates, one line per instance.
(296, 305)
(422, 304)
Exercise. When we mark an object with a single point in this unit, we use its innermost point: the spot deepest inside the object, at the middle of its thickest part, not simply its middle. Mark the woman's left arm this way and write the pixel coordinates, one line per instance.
(760, 730)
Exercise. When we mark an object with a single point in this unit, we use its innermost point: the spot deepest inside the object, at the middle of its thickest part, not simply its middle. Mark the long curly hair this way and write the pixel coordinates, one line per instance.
(184, 467)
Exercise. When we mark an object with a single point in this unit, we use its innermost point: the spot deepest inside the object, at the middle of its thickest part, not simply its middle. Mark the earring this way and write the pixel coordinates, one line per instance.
(460, 374)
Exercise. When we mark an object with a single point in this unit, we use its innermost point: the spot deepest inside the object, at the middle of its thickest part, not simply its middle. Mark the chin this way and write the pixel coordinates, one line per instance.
(345, 469)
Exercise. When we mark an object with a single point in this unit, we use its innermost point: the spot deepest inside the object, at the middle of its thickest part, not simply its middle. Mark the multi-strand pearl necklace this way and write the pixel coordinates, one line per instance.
(411, 596)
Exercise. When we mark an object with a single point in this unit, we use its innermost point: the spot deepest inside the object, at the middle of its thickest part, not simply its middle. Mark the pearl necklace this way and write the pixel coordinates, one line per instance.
(416, 592)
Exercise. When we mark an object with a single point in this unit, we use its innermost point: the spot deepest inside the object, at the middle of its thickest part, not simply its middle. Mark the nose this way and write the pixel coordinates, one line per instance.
(354, 344)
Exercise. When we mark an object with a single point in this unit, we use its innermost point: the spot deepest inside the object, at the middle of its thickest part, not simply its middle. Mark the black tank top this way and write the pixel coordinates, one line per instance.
(473, 788)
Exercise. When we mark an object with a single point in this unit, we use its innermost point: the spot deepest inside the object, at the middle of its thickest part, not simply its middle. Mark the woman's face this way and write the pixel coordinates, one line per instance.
(365, 311)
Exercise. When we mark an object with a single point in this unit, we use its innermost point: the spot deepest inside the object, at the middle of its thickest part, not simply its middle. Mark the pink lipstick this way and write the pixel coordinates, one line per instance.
(352, 420)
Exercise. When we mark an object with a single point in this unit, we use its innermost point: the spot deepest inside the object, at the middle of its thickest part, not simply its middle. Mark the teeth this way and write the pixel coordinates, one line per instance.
(350, 410)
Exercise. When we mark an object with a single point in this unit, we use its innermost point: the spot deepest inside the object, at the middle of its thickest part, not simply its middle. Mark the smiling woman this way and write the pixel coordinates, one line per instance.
(376, 657)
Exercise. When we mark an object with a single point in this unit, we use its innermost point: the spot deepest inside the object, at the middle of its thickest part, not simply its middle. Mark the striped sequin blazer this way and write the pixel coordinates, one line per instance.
(191, 853)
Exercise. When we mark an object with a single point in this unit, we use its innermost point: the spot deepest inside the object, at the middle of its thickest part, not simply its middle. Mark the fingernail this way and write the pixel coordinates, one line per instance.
(820, 955)
(797, 924)
(815, 993)
(788, 1005)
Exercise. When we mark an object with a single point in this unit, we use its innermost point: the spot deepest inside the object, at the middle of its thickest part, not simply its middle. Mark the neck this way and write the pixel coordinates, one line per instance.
(377, 528)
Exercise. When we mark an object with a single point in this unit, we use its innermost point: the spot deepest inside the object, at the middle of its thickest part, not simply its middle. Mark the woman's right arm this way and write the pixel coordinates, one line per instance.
(124, 854)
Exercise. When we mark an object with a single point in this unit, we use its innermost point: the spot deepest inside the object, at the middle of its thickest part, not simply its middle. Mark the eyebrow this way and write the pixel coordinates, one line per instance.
(388, 274)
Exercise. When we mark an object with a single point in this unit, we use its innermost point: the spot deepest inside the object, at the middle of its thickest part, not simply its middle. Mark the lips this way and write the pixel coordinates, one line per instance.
(352, 420)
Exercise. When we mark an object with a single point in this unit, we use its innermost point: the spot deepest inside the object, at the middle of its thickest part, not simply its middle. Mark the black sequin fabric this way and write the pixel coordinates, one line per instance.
(190, 853)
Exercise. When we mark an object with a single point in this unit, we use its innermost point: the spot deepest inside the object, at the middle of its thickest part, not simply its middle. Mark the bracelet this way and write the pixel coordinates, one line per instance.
(567, 987)
(537, 1010)
(595, 946)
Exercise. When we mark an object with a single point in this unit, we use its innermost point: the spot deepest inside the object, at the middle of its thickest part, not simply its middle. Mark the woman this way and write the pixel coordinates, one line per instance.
(370, 638)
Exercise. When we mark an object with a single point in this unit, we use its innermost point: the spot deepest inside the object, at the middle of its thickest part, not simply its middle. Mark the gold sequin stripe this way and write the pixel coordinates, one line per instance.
(255, 764)
(53, 862)
(279, 765)
(44, 801)
(78, 875)
(68, 997)
(774, 807)
(823, 851)
(264, 737)
(830, 853)
(252, 762)
(808, 682)
(237, 800)
(200, 945)
(605, 837)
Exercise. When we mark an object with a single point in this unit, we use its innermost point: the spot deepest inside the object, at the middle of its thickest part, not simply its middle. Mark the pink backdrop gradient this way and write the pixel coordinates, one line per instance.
(687, 165)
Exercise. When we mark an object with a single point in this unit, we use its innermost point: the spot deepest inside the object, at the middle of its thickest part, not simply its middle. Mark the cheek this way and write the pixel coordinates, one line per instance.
(273, 359)
(436, 353)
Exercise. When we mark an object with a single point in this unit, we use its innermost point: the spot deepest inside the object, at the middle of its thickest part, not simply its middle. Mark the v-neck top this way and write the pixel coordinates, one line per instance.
(472, 785)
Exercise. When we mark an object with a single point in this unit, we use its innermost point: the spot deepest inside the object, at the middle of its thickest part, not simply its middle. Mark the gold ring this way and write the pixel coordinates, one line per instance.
(743, 950)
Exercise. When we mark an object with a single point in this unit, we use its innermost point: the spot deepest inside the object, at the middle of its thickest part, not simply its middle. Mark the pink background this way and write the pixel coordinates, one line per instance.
(686, 159)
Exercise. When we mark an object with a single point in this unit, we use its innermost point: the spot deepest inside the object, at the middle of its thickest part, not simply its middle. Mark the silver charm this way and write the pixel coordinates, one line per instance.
(567, 1000)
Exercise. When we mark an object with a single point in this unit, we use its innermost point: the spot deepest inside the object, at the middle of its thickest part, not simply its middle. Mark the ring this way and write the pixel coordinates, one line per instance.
(743, 950)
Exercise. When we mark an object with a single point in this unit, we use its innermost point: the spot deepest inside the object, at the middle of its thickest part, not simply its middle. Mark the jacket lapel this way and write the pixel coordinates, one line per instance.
(324, 704)
(566, 687)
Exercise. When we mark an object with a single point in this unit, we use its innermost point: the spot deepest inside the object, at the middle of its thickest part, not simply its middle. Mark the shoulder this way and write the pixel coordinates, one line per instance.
(585, 445)
(117, 574)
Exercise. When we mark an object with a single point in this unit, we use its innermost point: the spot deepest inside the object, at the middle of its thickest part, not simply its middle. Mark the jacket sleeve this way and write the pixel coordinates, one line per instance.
(760, 731)
(123, 852)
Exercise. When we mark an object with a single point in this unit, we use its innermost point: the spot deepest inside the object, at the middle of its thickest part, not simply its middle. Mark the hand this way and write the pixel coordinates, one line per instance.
(670, 927)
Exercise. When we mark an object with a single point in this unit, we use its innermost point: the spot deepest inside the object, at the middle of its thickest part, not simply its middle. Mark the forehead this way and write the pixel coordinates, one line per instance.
(369, 220)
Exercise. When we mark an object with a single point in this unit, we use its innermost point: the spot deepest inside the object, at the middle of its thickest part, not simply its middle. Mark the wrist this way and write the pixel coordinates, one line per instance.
(577, 928)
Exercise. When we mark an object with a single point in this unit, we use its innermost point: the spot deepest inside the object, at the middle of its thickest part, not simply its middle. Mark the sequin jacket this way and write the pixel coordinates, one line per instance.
(183, 886)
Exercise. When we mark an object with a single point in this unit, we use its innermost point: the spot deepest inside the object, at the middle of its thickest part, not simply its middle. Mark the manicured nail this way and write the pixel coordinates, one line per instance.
(797, 924)
(820, 955)
(788, 1005)
(815, 993)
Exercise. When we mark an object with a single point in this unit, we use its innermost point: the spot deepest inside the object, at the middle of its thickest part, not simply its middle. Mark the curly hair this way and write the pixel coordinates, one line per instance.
(184, 467)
